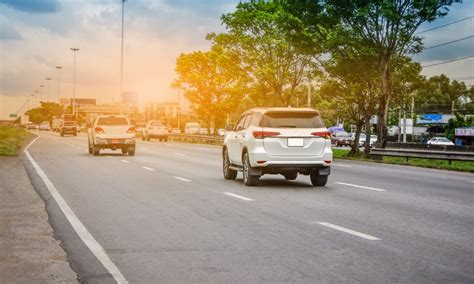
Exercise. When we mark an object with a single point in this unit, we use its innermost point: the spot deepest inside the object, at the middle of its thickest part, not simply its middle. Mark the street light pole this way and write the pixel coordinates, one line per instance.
(59, 68)
(121, 53)
(36, 100)
(74, 50)
(47, 80)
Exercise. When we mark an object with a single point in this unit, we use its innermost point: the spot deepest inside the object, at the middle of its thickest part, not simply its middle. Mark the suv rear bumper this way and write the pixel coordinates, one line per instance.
(108, 144)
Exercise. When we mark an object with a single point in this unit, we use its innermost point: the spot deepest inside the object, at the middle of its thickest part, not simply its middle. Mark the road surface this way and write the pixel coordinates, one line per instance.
(167, 215)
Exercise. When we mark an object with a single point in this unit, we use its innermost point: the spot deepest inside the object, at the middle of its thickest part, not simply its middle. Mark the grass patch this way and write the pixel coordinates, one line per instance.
(463, 166)
(11, 139)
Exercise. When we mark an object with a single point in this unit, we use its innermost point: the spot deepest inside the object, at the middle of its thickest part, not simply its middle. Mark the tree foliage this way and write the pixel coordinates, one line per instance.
(45, 112)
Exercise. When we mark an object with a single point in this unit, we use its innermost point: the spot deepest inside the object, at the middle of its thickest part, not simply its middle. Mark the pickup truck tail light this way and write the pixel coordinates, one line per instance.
(131, 130)
(264, 134)
(99, 130)
(323, 134)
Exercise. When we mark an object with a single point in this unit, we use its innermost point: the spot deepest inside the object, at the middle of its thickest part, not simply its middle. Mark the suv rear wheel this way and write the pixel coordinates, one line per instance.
(228, 172)
(318, 180)
(96, 151)
(249, 179)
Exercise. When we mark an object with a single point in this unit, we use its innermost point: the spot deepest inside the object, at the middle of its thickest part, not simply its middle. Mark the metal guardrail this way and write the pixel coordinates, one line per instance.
(425, 154)
(206, 139)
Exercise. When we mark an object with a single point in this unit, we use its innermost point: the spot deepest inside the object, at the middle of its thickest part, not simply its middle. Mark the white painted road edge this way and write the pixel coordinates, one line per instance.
(349, 231)
(238, 196)
(80, 229)
(147, 168)
(361, 186)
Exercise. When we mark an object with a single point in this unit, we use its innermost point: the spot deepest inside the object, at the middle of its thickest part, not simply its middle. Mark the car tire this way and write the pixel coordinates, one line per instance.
(249, 179)
(90, 148)
(95, 151)
(318, 180)
(165, 139)
(228, 173)
(75, 134)
(290, 176)
(131, 152)
(147, 138)
(62, 134)
(124, 151)
(143, 137)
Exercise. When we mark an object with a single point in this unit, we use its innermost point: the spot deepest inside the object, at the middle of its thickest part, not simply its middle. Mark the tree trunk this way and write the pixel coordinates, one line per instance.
(383, 102)
(368, 132)
(355, 143)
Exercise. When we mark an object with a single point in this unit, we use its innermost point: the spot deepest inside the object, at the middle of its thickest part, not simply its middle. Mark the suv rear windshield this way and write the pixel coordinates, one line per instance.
(289, 119)
(112, 120)
(69, 123)
(157, 123)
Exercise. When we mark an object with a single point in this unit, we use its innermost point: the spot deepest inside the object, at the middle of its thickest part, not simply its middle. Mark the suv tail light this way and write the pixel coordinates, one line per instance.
(264, 134)
(323, 134)
(131, 130)
(99, 130)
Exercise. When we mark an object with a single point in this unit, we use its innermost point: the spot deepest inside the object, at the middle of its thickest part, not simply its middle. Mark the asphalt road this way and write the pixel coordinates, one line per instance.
(167, 215)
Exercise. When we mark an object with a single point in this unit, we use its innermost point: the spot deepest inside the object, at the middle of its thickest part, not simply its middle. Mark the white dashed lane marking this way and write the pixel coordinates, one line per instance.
(349, 231)
(238, 196)
(361, 186)
(183, 179)
(149, 169)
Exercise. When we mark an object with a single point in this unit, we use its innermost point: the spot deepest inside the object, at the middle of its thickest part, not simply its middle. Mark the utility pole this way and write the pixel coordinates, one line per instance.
(59, 68)
(74, 50)
(36, 97)
(179, 110)
(47, 81)
(121, 53)
(404, 124)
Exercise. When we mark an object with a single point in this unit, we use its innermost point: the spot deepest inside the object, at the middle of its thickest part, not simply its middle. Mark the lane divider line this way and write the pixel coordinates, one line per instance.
(349, 231)
(77, 225)
(179, 154)
(147, 168)
(183, 179)
(361, 186)
(238, 196)
(125, 161)
(341, 165)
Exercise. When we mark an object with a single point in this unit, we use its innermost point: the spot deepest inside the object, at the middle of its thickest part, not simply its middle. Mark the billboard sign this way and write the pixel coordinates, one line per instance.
(429, 118)
(464, 131)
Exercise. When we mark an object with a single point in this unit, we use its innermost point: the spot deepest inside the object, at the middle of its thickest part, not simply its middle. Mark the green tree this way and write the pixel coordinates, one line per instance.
(45, 112)
(388, 29)
(263, 34)
(212, 81)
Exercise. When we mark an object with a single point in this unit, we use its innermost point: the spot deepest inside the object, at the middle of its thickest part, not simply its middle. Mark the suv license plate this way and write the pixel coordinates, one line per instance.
(115, 141)
(295, 142)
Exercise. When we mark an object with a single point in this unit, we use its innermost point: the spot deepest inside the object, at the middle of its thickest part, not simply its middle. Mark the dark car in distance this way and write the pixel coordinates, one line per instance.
(68, 127)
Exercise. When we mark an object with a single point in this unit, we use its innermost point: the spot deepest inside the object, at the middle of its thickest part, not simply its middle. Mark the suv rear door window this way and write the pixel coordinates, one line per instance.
(292, 119)
(112, 120)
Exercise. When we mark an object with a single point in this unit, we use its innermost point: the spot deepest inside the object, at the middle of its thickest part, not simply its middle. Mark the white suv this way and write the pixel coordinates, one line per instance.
(284, 141)
(111, 132)
(155, 129)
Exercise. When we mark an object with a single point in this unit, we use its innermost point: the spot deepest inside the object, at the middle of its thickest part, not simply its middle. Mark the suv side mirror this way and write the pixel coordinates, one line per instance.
(229, 127)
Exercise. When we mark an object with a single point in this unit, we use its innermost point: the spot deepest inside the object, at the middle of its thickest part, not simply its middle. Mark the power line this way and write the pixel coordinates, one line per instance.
(448, 61)
(449, 42)
(435, 28)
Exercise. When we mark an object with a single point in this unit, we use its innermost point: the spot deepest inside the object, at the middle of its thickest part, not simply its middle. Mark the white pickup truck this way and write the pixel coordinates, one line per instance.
(111, 132)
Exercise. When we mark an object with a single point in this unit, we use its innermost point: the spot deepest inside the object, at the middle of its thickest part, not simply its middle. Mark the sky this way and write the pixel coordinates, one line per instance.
(36, 36)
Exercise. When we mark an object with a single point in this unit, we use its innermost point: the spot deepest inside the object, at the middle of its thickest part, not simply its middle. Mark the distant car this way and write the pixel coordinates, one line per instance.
(111, 132)
(203, 131)
(155, 129)
(362, 140)
(192, 128)
(68, 127)
(30, 125)
(45, 126)
(286, 141)
(341, 138)
(373, 140)
(440, 141)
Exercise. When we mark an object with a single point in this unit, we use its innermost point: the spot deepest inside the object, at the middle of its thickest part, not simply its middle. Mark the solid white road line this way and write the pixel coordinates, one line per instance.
(179, 154)
(147, 168)
(341, 165)
(238, 196)
(361, 186)
(349, 231)
(80, 229)
(183, 179)
(125, 161)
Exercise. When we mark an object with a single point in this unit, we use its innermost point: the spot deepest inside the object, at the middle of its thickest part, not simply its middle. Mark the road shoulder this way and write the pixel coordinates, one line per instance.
(29, 251)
